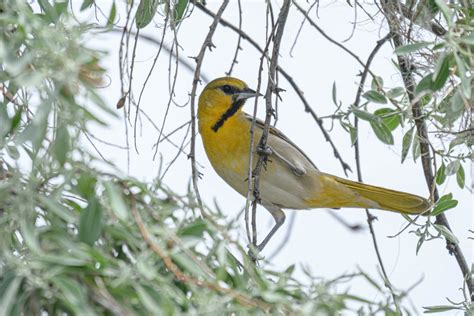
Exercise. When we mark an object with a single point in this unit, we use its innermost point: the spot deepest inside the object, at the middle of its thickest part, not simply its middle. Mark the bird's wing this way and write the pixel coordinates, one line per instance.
(283, 149)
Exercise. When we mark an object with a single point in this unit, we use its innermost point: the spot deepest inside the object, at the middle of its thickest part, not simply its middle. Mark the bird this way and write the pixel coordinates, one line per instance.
(289, 179)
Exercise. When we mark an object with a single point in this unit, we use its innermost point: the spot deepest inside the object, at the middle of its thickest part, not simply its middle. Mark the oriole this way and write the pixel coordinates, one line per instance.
(290, 179)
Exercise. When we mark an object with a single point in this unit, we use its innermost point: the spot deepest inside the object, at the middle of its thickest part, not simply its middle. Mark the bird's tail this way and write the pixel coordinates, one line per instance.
(387, 199)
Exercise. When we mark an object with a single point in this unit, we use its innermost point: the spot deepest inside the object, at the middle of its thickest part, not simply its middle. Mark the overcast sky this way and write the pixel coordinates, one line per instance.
(317, 240)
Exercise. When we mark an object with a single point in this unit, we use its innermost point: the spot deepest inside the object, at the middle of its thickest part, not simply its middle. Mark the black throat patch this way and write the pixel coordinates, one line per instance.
(236, 105)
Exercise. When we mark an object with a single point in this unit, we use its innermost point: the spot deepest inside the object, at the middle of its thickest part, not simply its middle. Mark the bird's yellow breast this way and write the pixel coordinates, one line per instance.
(228, 147)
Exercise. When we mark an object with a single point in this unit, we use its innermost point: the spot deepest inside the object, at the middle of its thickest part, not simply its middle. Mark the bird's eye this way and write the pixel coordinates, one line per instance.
(227, 89)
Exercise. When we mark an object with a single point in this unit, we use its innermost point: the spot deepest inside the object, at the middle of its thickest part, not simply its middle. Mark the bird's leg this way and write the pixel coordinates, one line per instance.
(279, 218)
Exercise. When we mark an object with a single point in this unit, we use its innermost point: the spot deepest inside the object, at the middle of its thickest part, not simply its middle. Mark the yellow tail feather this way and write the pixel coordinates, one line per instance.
(389, 200)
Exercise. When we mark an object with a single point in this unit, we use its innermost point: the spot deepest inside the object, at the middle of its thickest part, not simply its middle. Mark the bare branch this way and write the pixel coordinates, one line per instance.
(370, 217)
(199, 59)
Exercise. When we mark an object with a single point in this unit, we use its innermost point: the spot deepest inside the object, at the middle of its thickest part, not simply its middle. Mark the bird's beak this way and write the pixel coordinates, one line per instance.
(247, 93)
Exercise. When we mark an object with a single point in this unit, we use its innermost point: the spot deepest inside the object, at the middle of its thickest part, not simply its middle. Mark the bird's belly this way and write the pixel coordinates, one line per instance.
(278, 185)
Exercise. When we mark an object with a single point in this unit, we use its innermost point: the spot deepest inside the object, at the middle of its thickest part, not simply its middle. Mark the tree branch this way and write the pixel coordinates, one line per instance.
(406, 69)
(370, 217)
(199, 59)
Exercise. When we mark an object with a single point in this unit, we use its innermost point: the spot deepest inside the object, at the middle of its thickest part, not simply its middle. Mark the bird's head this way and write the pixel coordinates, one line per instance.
(223, 97)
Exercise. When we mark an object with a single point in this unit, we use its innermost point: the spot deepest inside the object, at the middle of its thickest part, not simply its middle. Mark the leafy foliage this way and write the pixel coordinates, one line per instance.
(82, 240)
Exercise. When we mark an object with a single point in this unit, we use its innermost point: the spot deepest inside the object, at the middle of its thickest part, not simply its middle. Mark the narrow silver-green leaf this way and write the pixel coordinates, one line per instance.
(453, 167)
(448, 15)
(466, 80)
(443, 205)
(446, 233)
(179, 10)
(146, 12)
(440, 174)
(416, 150)
(460, 177)
(406, 143)
(91, 222)
(364, 115)
(382, 133)
(116, 201)
(410, 48)
(375, 96)
(441, 73)
(390, 117)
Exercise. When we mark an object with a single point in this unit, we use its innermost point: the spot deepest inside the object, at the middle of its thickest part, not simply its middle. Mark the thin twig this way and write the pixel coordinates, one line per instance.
(271, 88)
(321, 31)
(370, 217)
(184, 62)
(239, 39)
(199, 59)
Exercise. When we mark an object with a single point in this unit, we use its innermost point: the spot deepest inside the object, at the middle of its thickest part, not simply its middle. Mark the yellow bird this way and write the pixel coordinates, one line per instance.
(290, 179)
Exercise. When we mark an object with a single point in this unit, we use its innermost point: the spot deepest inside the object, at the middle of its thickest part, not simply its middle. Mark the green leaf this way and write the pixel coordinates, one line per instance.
(90, 224)
(116, 201)
(60, 7)
(440, 174)
(73, 294)
(57, 209)
(86, 185)
(112, 15)
(364, 115)
(36, 131)
(382, 132)
(179, 10)
(441, 73)
(149, 298)
(448, 15)
(395, 92)
(460, 177)
(145, 12)
(61, 145)
(416, 150)
(466, 85)
(445, 203)
(406, 142)
(334, 93)
(375, 96)
(195, 229)
(468, 38)
(390, 117)
(5, 122)
(377, 83)
(406, 49)
(9, 288)
(188, 265)
(425, 84)
(446, 233)
(16, 120)
(453, 167)
(86, 4)
(439, 308)
(13, 152)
